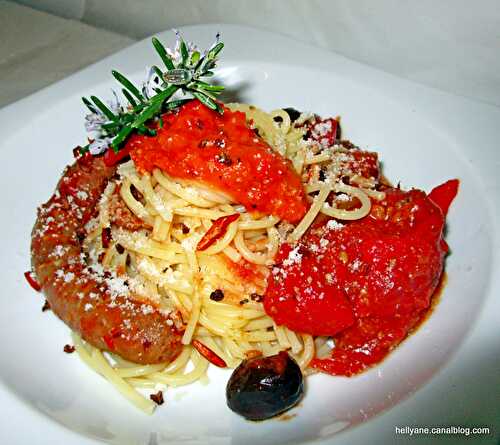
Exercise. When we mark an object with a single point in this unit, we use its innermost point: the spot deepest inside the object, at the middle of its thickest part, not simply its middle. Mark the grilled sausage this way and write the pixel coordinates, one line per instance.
(98, 306)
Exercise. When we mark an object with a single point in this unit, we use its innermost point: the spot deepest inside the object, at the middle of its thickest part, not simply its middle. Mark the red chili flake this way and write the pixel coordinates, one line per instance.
(69, 349)
(119, 248)
(46, 306)
(106, 237)
(210, 355)
(100, 257)
(216, 231)
(32, 281)
(157, 398)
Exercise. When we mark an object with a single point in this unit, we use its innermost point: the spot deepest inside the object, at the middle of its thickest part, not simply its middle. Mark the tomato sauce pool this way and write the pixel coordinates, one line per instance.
(223, 152)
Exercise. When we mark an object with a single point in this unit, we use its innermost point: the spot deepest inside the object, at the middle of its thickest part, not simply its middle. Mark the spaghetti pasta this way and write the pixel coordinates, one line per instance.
(163, 262)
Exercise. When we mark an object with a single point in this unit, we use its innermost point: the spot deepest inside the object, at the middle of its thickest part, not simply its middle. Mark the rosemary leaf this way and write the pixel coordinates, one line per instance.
(162, 52)
(175, 104)
(195, 57)
(159, 74)
(208, 102)
(120, 137)
(129, 97)
(89, 105)
(208, 87)
(128, 85)
(203, 92)
(147, 114)
(165, 94)
(184, 53)
(105, 110)
(212, 54)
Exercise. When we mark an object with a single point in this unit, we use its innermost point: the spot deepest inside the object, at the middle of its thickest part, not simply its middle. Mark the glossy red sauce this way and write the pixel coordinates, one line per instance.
(196, 143)
(367, 283)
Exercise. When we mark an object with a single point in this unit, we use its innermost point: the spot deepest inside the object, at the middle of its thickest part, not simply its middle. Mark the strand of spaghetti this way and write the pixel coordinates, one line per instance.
(314, 187)
(154, 199)
(252, 257)
(316, 159)
(139, 371)
(147, 247)
(259, 323)
(362, 181)
(273, 242)
(299, 161)
(264, 223)
(200, 367)
(160, 229)
(134, 205)
(311, 213)
(308, 351)
(169, 278)
(232, 254)
(138, 382)
(180, 362)
(99, 364)
(281, 336)
(215, 328)
(109, 254)
(200, 213)
(374, 194)
(193, 319)
(269, 349)
(294, 341)
(189, 194)
(233, 347)
(223, 242)
(349, 214)
(260, 336)
(284, 125)
(213, 196)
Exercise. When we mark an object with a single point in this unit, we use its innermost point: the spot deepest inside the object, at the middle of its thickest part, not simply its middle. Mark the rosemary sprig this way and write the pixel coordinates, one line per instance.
(185, 69)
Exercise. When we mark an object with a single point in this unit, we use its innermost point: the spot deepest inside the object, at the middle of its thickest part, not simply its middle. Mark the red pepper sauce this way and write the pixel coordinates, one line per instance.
(196, 143)
(367, 283)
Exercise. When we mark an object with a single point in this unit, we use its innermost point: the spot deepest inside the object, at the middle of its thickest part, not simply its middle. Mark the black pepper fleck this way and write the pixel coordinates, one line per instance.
(217, 295)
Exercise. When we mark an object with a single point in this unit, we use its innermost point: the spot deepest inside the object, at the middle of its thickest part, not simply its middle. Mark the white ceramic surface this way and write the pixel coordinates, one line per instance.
(446, 374)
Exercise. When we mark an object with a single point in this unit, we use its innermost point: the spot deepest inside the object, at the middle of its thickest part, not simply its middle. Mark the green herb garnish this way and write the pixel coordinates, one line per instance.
(110, 125)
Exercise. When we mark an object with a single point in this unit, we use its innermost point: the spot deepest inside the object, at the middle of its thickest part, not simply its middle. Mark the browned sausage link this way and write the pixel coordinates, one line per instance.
(100, 309)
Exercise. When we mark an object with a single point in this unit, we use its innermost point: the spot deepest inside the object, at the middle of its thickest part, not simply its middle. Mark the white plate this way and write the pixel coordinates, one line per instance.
(446, 374)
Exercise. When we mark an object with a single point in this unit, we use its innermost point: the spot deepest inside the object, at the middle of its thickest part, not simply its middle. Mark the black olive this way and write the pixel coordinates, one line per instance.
(264, 387)
(292, 113)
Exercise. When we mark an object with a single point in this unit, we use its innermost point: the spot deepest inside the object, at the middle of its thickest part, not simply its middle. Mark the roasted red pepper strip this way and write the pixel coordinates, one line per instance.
(31, 281)
(111, 158)
(443, 194)
(211, 356)
(216, 231)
